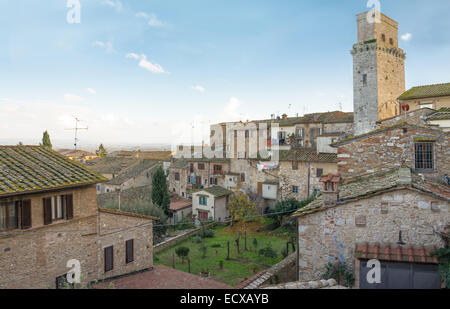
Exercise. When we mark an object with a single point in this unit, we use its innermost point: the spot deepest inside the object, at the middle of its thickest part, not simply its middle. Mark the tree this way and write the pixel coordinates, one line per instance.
(101, 152)
(160, 191)
(46, 140)
(182, 253)
(242, 210)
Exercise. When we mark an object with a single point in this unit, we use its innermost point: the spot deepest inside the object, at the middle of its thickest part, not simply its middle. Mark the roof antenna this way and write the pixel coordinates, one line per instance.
(76, 129)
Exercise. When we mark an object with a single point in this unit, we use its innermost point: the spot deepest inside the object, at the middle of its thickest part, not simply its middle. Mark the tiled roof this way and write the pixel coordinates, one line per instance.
(179, 164)
(442, 114)
(133, 171)
(110, 165)
(328, 117)
(366, 186)
(307, 155)
(217, 191)
(75, 153)
(428, 91)
(26, 169)
(178, 203)
(396, 253)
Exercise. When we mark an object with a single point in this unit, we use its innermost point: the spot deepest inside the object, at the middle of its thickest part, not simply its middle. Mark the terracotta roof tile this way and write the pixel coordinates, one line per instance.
(396, 253)
(25, 169)
(427, 91)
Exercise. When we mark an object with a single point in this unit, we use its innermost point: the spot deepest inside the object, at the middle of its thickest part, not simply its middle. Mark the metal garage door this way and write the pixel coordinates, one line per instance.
(402, 276)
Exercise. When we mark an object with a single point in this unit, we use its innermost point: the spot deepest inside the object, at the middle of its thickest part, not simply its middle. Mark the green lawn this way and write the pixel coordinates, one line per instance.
(238, 268)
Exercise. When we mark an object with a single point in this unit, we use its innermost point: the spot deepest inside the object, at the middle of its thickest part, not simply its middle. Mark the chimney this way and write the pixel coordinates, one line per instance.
(284, 116)
(330, 190)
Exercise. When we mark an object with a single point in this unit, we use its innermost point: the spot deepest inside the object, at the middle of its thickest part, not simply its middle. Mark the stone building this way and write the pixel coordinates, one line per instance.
(211, 203)
(49, 216)
(138, 175)
(180, 208)
(378, 71)
(393, 216)
(425, 150)
(429, 96)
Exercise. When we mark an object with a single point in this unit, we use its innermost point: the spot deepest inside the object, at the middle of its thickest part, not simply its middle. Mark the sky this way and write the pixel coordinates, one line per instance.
(147, 71)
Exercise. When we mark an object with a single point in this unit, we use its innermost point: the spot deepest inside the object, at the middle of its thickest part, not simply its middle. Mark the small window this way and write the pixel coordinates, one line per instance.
(8, 216)
(129, 251)
(201, 166)
(383, 37)
(391, 41)
(243, 177)
(424, 155)
(364, 79)
(294, 165)
(295, 189)
(319, 172)
(177, 176)
(109, 258)
(426, 105)
(203, 200)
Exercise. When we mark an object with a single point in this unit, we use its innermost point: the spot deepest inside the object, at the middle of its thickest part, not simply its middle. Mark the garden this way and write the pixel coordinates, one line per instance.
(227, 254)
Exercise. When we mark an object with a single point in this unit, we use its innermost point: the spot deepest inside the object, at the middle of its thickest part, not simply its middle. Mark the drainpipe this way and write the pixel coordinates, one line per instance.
(297, 274)
(309, 177)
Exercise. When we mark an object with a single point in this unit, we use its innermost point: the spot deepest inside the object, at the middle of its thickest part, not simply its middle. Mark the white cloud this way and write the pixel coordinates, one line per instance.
(105, 45)
(114, 3)
(198, 88)
(73, 98)
(231, 110)
(153, 20)
(90, 90)
(406, 37)
(145, 64)
(142, 15)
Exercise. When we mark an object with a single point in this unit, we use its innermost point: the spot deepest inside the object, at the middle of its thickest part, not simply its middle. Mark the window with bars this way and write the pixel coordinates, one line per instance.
(424, 155)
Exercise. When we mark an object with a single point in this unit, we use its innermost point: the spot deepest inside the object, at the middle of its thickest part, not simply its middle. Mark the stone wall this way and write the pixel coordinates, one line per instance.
(391, 148)
(331, 235)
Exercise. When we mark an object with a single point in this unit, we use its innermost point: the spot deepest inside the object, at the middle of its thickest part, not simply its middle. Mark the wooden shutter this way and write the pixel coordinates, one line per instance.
(109, 258)
(26, 215)
(129, 244)
(69, 207)
(47, 210)
(260, 188)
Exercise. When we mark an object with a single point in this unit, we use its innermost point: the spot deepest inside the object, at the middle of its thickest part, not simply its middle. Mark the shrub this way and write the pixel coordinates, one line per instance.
(340, 272)
(216, 245)
(203, 250)
(197, 239)
(268, 252)
(182, 252)
(185, 224)
(207, 233)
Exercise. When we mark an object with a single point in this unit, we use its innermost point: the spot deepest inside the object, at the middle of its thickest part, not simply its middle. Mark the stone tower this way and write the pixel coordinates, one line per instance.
(378, 71)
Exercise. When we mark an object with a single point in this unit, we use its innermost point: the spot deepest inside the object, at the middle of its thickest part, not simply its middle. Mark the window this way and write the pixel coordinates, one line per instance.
(129, 251)
(364, 79)
(203, 200)
(218, 169)
(243, 177)
(426, 105)
(191, 167)
(294, 165)
(319, 172)
(383, 38)
(58, 208)
(424, 155)
(213, 181)
(201, 166)
(391, 41)
(109, 258)
(295, 189)
(177, 176)
(99, 188)
(246, 134)
(9, 216)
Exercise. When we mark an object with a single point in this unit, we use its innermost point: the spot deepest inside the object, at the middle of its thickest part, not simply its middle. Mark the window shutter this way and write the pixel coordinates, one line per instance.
(26, 215)
(109, 258)
(129, 244)
(47, 210)
(69, 207)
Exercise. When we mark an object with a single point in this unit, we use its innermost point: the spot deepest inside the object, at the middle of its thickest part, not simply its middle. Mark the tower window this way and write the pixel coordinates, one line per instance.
(391, 41)
(383, 37)
(364, 79)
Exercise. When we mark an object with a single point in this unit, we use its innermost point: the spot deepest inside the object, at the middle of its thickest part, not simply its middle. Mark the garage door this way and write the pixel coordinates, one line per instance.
(396, 275)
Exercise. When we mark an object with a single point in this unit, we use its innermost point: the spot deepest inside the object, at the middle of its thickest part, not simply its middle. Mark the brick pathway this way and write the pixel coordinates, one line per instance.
(163, 277)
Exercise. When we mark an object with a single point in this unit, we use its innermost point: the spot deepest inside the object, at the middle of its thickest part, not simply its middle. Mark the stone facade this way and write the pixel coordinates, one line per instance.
(330, 235)
(391, 147)
(378, 72)
(35, 257)
(431, 102)
(216, 208)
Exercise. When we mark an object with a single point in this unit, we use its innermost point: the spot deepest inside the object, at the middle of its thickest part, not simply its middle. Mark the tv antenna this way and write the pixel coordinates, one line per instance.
(76, 129)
